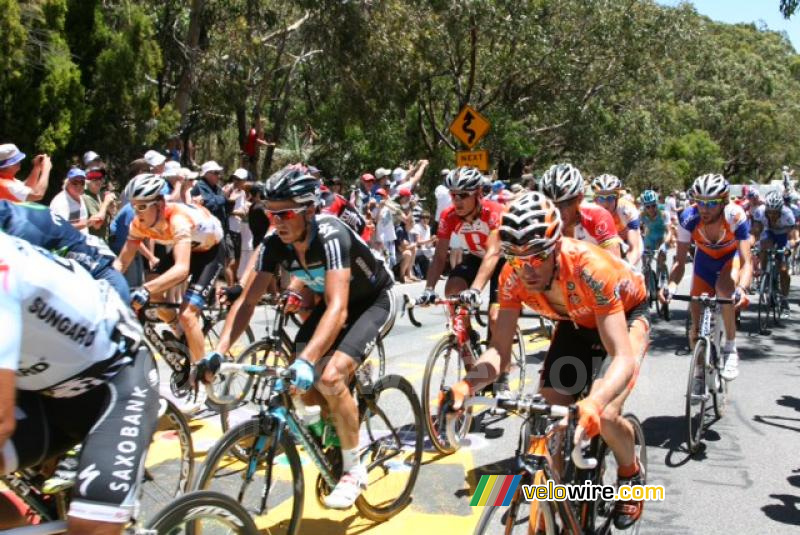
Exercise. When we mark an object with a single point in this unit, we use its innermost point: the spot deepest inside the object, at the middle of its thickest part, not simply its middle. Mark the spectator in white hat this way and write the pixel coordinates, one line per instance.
(34, 187)
(91, 160)
(70, 204)
(408, 178)
(156, 160)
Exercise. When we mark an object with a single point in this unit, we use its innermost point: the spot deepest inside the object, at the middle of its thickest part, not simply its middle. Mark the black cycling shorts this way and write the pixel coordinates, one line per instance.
(204, 268)
(235, 245)
(365, 322)
(568, 366)
(468, 270)
(115, 422)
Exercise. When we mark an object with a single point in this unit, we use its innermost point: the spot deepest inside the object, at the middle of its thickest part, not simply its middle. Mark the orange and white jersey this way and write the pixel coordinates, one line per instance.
(181, 222)
(626, 216)
(735, 228)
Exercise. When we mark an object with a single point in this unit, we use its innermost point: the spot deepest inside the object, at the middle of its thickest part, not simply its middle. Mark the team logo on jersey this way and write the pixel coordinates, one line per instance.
(570, 286)
(596, 286)
(68, 327)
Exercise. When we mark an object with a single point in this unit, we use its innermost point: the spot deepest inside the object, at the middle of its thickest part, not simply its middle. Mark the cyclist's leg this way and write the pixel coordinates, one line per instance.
(781, 241)
(706, 271)
(725, 287)
(204, 269)
(462, 275)
(113, 452)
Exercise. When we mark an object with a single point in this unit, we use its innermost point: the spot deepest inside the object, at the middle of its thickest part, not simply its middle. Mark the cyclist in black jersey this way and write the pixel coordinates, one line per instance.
(330, 259)
(36, 224)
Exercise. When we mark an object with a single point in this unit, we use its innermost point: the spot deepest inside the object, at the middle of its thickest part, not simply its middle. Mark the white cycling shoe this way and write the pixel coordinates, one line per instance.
(347, 490)
(731, 369)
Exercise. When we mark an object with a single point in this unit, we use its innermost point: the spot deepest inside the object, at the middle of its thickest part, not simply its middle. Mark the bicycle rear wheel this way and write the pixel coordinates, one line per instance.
(717, 385)
(443, 369)
(169, 469)
(763, 303)
(210, 513)
(663, 281)
(515, 518)
(245, 480)
(696, 404)
(391, 442)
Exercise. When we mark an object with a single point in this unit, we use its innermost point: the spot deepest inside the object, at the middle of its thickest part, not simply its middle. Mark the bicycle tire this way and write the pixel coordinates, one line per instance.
(719, 387)
(410, 465)
(663, 279)
(247, 431)
(202, 504)
(515, 518)
(171, 420)
(775, 300)
(448, 348)
(695, 423)
(519, 358)
(763, 304)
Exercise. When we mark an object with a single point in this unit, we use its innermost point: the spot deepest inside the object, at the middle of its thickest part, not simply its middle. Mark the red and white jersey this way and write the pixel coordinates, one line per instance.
(474, 234)
(596, 225)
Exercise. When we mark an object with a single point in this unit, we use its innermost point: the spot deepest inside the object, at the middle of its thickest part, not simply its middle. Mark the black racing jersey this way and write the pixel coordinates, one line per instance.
(39, 226)
(334, 245)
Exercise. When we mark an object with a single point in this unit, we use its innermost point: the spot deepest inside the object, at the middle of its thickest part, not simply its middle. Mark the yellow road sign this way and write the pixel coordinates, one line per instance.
(475, 158)
(469, 126)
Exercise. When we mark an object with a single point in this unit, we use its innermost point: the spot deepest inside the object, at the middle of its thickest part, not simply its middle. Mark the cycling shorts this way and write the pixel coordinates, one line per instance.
(365, 322)
(568, 366)
(115, 422)
(468, 270)
(204, 268)
(707, 270)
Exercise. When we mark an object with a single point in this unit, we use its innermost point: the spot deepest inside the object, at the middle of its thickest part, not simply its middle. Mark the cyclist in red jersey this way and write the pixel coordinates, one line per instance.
(474, 220)
(564, 185)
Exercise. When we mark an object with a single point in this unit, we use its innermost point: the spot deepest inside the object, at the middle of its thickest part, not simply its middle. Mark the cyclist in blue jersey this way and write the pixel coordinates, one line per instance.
(38, 225)
(774, 224)
(656, 224)
(357, 306)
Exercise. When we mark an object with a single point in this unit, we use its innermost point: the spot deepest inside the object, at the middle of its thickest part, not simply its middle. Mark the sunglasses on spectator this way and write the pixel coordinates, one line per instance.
(285, 215)
(709, 203)
(606, 198)
(461, 194)
(534, 261)
(142, 207)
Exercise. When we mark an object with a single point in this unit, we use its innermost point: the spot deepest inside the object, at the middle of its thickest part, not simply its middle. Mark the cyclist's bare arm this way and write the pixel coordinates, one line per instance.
(497, 356)
(126, 255)
(337, 295)
(634, 239)
(7, 420)
(437, 266)
(746, 269)
(182, 252)
(679, 264)
(489, 261)
(613, 330)
(256, 284)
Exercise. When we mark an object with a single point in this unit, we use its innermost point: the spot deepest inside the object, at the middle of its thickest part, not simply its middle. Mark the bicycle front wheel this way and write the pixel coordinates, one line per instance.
(203, 512)
(519, 517)
(717, 385)
(390, 445)
(246, 479)
(696, 399)
(443, 369)
(763, 303)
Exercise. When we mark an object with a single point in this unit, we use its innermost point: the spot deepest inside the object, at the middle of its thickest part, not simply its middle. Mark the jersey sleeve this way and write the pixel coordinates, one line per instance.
(632, 216)
(602, 226)
(508, 294)
(738, 222)
(337, 244)
(445, 224)
(268, 258)
(686, 223)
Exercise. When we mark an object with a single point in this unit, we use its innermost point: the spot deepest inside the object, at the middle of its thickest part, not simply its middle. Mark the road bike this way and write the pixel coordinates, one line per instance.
(450, 360)
(257, 461)
(705, 380)
(769, 293)
(655, 280)
(541, 449)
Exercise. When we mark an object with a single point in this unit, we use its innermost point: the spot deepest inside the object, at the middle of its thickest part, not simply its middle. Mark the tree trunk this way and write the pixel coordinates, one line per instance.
(183, 95)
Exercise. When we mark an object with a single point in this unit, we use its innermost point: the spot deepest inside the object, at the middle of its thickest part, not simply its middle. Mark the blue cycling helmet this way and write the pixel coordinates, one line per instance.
(649, 197)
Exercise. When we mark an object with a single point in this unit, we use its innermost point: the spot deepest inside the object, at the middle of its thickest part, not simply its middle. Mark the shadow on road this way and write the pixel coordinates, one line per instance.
(788, 511)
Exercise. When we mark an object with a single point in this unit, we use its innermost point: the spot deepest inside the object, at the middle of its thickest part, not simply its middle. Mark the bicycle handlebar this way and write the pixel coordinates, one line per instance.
(705, 298)
(252, 370)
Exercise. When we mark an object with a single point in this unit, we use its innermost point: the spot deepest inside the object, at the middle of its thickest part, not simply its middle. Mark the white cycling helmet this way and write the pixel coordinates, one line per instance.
(146, 187)
(709, 186)
(464, 179)
(606, 182)
(774, 200)
(532, 224)
(562, 182)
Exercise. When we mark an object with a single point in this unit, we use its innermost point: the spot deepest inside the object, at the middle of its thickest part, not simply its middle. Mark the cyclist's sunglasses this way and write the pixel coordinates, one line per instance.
(285, 215)
(534, 261)
(709, 203)
(462, 195)
(611, 197)
(142, 207)
(649, 205)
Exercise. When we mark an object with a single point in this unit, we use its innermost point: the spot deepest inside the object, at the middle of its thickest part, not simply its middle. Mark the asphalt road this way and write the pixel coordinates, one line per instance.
(745, 479)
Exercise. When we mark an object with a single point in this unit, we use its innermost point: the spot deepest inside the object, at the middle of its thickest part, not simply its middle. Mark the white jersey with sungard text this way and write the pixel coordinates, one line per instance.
(62, 329)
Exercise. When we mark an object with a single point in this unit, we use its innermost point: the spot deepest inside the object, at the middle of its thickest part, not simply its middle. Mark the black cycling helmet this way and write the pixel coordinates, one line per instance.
(293, 183)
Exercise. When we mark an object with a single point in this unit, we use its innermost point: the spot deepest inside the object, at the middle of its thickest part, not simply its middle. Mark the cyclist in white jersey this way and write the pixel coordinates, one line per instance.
(71, 362)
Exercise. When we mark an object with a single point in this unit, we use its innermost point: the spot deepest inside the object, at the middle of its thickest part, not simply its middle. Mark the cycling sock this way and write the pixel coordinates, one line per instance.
(626, 472)
(730, 346)
(350, 459)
